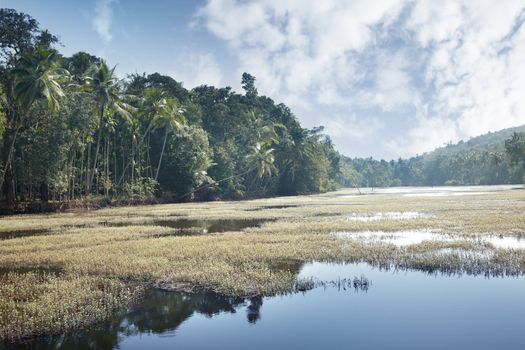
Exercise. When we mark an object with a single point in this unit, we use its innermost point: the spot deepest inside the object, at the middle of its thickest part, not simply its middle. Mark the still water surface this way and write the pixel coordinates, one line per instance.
(399, 310)
(180, 226)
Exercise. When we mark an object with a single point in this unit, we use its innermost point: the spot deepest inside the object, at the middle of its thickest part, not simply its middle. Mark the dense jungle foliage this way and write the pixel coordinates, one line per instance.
(71, 129)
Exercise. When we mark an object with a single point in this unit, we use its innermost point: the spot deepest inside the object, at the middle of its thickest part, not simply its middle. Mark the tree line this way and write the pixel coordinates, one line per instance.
(487, 160)
(71, 129)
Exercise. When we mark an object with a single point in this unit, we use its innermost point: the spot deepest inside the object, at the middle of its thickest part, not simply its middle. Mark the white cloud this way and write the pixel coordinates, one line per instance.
(435, 21)
(474, 79)
(351, 126)
(391, 87)
(294, 47)
(453, 68)
(194, 69)
(102, 20)
(427, 135)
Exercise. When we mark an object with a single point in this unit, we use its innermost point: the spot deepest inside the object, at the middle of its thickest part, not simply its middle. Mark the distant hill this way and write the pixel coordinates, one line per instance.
(492, 141)
(482, 160)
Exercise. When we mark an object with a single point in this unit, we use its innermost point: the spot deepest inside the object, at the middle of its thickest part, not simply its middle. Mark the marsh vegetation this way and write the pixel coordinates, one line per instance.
(97, 262)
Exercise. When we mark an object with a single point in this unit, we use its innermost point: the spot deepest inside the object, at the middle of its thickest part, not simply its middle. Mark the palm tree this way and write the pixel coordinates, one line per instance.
(104, 85)
(153, 109)
(171, 119)
(37, 75)
(266, 133)
(262, 159)
(160, 111)
(515, 147)
(153, 105)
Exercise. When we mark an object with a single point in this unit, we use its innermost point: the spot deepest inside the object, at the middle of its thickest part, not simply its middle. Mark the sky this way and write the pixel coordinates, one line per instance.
(386, 78)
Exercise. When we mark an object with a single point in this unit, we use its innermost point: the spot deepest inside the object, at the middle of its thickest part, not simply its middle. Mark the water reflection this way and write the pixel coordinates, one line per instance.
(405, 310)
(390, 215)
(276, 206)
(160, 313)
(182, 226)
(212, 226)
(23, 233)
(412, 237)
(437, 191)
(254, 309)
(505, 242)
(444, 194)
(195, 226)
(398, 238)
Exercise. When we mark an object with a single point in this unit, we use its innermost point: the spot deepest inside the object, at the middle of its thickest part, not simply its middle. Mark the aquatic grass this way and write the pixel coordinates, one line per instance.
(126, 245)
(304, 284)
(34, 304)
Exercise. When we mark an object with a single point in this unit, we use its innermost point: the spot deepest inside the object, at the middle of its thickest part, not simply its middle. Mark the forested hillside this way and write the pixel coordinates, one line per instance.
(493, 158)
(492, 142)
(71, 129)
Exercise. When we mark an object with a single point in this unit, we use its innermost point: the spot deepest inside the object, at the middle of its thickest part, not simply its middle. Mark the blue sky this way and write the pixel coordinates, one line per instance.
(387, 78)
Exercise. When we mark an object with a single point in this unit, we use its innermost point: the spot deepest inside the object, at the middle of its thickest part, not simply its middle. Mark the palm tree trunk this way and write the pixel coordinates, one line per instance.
(88, 167)
(95, 160)
(162, 153)
(115, 164)
(132, 163)
(94, 169)
(139, 143)
(73, 176)
(81, 173)
(7, 179)
(148, 158)
(97, 149)
(106, 188)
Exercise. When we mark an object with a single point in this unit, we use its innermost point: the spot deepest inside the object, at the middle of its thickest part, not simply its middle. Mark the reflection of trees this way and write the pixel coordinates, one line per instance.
(159, 312)
(254, 309)
(102, 336)
(209, 226)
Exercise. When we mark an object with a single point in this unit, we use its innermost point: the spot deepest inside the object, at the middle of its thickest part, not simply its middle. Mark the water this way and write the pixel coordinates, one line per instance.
(400, 310)
(183, 226)
(397, 238)
(390, 215)
(407, 190)
(210, 226)
(444, 194)
(276, 206)
(505, 242)
(427, 191)
(24, 233)
(411, 237)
